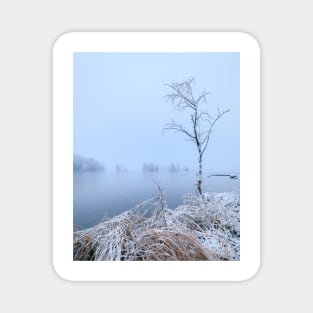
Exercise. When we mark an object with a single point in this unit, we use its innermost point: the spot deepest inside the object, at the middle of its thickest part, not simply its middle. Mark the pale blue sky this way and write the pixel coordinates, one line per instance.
(120, 109)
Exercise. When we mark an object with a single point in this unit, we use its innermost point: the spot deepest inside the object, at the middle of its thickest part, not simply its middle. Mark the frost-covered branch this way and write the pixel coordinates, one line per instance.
(179, 128)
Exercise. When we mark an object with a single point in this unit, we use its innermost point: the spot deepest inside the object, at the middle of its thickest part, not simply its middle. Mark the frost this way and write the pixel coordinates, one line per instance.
(203, 228)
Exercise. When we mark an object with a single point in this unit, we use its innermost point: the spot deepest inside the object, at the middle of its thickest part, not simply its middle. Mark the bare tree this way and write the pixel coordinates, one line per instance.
(202, 123)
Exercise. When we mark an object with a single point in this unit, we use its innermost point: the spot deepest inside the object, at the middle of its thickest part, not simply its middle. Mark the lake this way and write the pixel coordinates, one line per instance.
(110, 193)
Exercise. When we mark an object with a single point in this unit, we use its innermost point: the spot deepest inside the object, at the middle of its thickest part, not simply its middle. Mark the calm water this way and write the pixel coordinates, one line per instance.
(109, 193)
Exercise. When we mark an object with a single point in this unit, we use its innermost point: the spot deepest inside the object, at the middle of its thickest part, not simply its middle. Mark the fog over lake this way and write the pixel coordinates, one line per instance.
(121, 109)
(109, 193)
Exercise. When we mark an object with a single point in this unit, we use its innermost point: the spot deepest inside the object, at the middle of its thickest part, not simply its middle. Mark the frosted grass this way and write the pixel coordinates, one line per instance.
(202, 228)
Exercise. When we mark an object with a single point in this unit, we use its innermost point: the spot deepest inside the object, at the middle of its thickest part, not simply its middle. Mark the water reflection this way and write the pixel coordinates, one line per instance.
(110, 193)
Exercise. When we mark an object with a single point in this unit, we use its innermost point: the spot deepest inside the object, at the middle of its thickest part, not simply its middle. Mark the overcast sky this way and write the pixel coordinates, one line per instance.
(120, 109)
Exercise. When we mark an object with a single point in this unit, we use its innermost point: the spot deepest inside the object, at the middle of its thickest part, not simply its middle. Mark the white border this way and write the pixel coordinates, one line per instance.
(249, 156)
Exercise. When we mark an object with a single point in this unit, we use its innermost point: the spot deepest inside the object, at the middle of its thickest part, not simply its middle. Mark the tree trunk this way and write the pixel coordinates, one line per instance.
(199, 184)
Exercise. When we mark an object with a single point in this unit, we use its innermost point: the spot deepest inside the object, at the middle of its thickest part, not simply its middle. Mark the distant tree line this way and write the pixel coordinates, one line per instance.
(121, 168)
(83, 164)
(176, 168)
(150, 167)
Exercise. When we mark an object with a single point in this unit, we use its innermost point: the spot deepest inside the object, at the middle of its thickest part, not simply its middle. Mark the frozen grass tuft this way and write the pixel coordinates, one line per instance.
(206, 228)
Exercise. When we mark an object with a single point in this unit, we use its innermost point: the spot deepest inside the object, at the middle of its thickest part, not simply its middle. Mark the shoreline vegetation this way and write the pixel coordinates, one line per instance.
(204, 227)
(83, 164)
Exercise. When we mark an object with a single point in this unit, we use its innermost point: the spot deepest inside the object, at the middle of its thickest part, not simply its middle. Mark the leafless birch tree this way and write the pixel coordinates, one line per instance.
(201, 122)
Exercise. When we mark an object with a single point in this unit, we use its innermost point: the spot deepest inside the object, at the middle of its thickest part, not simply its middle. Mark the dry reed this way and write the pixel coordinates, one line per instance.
(206, 228)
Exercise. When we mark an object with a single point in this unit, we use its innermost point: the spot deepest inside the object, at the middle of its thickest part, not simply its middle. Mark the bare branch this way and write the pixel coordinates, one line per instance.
(180, 102)
(203, 96)
(207, 137)
(205, 115)
(178, 128)
(182, 95)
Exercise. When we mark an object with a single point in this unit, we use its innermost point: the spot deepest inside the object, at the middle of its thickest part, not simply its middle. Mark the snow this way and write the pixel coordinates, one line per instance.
(202, 228)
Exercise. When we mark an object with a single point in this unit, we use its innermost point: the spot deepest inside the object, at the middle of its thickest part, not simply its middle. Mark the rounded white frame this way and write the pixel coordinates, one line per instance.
(249, 51)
